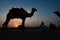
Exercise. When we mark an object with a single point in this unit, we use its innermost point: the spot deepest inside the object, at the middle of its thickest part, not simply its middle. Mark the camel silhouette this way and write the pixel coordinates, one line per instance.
(18, 13)
(57, 13)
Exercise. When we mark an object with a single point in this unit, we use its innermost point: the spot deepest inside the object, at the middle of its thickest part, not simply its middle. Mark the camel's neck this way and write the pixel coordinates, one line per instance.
(31, 14)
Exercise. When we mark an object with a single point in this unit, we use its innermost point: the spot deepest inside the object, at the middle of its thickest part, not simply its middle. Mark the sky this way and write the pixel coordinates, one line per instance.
(45, 12)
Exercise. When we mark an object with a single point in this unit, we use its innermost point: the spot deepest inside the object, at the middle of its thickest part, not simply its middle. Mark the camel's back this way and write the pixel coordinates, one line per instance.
(17, 12)
(14, 10)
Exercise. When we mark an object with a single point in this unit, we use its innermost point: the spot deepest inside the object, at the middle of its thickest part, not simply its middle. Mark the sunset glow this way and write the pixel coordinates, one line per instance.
(15, 23)
(45, 12)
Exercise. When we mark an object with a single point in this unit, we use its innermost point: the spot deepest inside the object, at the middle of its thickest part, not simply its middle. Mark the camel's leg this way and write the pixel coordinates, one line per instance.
(5, 24)
(23, 26)
(23, 22)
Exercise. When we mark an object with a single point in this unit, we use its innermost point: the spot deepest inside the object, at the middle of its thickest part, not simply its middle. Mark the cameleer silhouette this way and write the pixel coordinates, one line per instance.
(43, 27)
(57, 13)
(52, 26)
(18, 13)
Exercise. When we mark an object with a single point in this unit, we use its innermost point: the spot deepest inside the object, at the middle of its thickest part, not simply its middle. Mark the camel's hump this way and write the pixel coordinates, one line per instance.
(18, 9)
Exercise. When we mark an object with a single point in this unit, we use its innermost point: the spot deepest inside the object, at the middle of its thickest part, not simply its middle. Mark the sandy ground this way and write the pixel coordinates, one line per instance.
(14, 34)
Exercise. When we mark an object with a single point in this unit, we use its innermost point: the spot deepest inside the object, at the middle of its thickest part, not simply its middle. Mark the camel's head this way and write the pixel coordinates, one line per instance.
(56, 12)
(34, 9)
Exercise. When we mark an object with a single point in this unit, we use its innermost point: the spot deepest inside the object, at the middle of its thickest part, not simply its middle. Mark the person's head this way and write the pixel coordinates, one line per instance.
(42, 23)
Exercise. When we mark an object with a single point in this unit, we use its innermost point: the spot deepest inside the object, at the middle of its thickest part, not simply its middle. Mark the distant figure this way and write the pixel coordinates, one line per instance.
(42, 27)
(57, 13)
(52, 26)
(18, 13)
